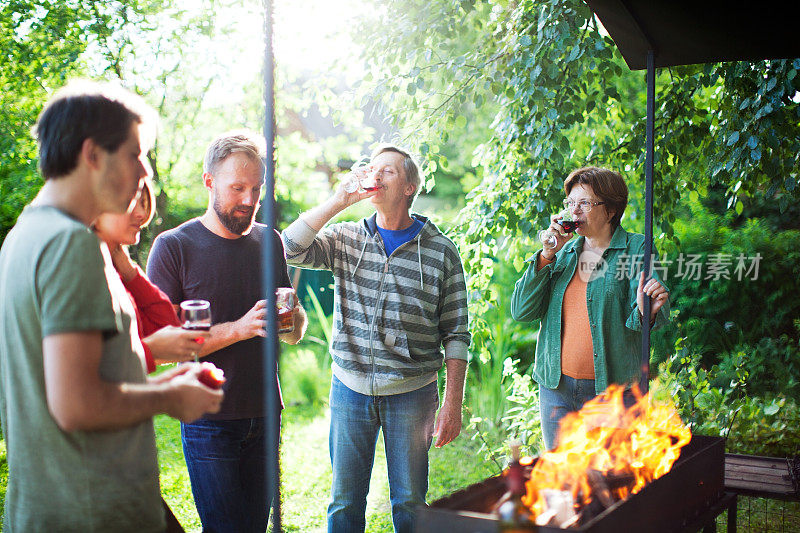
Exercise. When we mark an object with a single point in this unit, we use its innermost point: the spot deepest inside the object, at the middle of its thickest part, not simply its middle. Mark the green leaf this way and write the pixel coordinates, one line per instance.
(525, 40)
(739, 207)
(752, 142)
(574, 53)
(771, 83)
(733, 138)
(772, 409)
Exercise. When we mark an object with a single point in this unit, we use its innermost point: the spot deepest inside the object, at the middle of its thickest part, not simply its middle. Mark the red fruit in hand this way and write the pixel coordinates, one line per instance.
(211, 376)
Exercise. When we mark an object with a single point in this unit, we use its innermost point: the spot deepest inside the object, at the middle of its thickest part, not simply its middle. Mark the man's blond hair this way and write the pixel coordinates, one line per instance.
(246, 142)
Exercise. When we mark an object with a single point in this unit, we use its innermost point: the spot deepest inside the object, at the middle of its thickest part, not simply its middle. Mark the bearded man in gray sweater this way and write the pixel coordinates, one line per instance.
(400, 313)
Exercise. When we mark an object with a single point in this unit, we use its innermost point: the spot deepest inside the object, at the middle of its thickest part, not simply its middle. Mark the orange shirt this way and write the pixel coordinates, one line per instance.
(577, 351)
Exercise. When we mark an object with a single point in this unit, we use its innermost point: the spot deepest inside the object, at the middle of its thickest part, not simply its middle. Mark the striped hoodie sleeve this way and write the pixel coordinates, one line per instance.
(454, 319)
(307, 248)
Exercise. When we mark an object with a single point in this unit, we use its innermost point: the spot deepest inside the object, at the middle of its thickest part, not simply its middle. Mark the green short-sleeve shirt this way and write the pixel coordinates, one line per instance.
(56, 278)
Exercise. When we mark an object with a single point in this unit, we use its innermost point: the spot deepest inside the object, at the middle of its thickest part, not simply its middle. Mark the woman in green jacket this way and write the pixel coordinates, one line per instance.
(589, 295)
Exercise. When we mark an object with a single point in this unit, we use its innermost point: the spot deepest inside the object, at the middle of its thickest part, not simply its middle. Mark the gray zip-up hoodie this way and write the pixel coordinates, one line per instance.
(392, 315)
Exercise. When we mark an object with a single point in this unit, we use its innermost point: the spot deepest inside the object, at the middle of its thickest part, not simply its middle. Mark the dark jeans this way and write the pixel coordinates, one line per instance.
(227, 467)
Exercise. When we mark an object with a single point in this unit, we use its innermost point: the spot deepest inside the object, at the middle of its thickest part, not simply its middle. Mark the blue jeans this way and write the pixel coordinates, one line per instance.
(227, 468)
(407, 423)
(554, 404)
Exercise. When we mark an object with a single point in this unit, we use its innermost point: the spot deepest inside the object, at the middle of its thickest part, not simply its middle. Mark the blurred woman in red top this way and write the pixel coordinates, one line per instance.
(159, 328)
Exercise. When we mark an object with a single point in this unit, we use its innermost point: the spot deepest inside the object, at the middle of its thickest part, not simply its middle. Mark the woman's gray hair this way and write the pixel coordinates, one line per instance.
(247, 142)
(410, 167)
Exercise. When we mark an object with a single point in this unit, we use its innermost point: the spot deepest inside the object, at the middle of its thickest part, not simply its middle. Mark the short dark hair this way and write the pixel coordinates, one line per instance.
(606, 184)
(410, 167)
(87, 110)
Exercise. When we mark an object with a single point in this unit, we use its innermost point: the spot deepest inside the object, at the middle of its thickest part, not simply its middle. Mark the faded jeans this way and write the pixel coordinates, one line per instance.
(554, 404)
(407, 423)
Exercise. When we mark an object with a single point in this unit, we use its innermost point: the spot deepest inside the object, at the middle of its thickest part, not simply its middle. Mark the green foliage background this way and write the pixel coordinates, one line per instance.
(501, 100)
(520, 93)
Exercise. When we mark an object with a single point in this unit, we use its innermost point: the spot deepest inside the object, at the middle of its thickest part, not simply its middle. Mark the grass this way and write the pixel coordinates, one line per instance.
(306, 472)
(175, 486)
(306, 477)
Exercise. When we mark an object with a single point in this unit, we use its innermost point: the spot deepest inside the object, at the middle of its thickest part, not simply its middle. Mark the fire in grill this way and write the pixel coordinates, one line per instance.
(615, 469)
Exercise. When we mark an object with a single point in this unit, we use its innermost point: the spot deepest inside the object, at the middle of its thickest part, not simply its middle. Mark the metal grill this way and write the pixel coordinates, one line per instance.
(685, 499)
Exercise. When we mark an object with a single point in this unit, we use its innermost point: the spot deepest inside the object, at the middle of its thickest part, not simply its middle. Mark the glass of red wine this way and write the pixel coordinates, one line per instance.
(361, 177)
(548, 239)
(196, 316)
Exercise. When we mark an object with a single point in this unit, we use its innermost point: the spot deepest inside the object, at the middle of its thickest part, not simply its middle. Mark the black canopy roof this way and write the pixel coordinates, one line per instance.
(682, 32)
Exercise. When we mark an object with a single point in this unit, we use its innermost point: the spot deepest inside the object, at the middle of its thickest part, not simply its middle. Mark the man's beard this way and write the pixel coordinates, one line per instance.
(238, 224)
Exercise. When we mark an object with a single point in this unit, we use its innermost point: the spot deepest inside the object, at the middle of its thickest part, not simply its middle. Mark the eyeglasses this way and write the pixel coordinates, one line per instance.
(585, 205)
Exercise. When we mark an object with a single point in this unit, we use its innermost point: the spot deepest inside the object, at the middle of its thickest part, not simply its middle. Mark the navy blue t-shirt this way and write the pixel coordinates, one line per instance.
(393, 239)
(190, 262)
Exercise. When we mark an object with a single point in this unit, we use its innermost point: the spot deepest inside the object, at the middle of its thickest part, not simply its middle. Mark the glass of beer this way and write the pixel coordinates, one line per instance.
(284, 303)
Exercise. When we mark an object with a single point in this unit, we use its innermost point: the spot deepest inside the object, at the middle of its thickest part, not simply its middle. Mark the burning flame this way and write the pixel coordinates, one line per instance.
(636, 445)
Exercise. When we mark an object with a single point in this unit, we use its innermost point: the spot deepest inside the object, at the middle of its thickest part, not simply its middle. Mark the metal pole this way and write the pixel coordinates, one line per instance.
(648, 215)
(271, 409)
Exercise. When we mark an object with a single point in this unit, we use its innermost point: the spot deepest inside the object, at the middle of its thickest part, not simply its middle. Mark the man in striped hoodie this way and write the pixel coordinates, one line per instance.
(400, 312)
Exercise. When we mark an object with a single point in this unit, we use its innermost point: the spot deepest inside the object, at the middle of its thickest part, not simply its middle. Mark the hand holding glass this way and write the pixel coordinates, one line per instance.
(284, 303)
(564, 219)
(196, 316)
(361, 177)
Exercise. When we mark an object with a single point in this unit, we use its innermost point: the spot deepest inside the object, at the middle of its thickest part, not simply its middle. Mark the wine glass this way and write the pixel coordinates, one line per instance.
(196, 316)
(564, 219)
(362, 177)
(359, 172)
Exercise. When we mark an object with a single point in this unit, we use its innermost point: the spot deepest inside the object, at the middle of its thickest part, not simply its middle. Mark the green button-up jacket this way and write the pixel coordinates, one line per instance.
(614, 319)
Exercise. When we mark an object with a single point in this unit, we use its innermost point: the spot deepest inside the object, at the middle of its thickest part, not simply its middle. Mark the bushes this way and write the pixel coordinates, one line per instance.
(733, 310)
(719, 401)
(772, 367)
